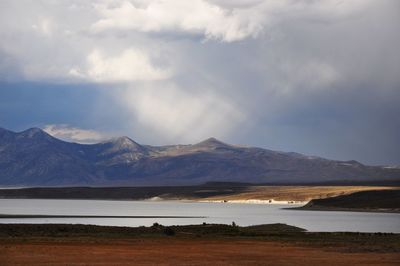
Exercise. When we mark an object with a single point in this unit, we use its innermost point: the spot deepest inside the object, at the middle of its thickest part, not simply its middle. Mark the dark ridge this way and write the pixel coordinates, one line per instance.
(383, 182)
(363, 200)
(34, 216)
(69, 230)
(125, 193)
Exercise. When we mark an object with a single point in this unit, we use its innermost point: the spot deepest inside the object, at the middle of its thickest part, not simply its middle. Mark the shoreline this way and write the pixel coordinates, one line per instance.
(333, 209)
(303, 207)
(181, 200)
(256, 201)
(221, 201)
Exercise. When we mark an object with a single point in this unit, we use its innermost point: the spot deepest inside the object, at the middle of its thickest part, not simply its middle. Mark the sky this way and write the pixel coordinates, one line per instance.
(316, 77)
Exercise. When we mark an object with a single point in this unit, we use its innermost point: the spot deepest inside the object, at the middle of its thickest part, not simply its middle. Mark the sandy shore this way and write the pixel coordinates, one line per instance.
(288, 194)
(257, 201)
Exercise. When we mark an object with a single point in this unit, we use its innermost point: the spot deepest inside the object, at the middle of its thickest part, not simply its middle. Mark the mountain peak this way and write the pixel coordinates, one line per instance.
(34, 132)
(211, 142)
(124, 143)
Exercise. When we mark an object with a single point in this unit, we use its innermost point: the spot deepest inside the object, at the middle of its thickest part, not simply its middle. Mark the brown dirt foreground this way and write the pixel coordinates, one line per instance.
(182, 252)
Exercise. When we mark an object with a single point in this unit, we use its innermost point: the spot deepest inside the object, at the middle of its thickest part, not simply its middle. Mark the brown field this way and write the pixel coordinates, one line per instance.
(182, 252)
(204, 244)
(294, 193)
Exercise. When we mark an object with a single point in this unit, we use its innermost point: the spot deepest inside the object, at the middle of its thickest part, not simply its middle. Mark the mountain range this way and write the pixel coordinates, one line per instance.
(35, 158)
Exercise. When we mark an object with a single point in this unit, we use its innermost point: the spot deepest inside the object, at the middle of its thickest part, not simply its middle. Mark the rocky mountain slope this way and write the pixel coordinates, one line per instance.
(34, 158)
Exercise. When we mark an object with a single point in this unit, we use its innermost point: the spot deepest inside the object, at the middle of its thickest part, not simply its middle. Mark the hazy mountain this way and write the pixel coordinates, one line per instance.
(34, 158)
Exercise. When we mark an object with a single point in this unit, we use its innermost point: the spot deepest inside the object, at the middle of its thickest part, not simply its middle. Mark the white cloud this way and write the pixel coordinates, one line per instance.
(220, 20)
(176, 114)
(196, 17)
(74, 134)
(130, 65)
(55, 41)
(44, 26)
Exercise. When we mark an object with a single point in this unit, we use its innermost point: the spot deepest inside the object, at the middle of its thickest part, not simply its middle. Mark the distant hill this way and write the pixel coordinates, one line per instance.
(376, 200)
(34, 158)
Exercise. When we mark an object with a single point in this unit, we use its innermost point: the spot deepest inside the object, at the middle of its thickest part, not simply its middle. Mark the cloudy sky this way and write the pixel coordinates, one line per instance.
(316, 77)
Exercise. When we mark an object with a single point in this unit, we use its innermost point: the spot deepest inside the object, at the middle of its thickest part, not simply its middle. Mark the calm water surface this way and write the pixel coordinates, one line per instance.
(241, 214)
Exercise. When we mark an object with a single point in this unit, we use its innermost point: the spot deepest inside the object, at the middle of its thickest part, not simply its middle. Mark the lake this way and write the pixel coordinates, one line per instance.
(226, 213)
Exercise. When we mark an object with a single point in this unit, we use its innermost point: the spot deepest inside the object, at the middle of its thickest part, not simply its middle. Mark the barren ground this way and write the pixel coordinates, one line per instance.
(204, 244)
(182, 252)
